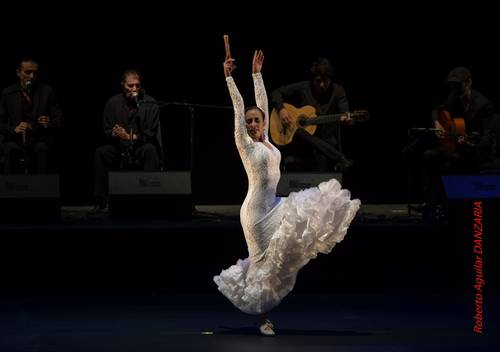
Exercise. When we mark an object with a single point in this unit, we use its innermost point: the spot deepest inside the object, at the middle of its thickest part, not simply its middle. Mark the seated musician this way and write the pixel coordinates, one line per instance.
(320, 151)
(30, 121)
(130, 121)
(465, 139)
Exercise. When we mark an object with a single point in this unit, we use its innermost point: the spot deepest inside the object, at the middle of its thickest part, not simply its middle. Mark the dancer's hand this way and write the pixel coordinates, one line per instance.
(228, 66)
(258, 60)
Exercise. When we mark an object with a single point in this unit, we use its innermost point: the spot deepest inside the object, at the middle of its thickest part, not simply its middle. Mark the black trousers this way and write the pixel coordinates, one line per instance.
(437, 162)
(108, 157)
(32, 158)
(311, 153)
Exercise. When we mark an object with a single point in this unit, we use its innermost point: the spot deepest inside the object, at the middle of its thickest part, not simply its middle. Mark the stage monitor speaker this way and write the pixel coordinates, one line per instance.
(464, 190)
(29, 198)
(150, 194)
(296, 181)
(476, 186)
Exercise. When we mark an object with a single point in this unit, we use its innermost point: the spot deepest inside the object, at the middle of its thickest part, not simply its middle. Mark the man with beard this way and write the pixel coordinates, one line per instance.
(130, 120)
(465, 140)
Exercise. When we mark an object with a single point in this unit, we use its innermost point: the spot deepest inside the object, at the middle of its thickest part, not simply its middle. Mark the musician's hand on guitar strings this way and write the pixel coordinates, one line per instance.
(285, 117)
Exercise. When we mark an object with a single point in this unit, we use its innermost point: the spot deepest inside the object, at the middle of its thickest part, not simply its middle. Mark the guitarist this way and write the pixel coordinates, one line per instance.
(475, 111)
(30, 118)
(318, 152)
(130, 121)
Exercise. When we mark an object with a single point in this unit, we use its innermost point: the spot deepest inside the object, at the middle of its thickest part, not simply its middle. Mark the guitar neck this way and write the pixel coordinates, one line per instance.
(322, 119)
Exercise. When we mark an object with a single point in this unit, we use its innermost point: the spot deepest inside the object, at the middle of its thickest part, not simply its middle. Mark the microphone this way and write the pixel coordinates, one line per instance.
(29, 86)
(135, 98)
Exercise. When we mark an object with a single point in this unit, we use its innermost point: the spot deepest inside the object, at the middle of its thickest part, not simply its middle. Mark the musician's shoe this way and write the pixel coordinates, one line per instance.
(434, 214)
(100, 207)
(419, 208)
(343, 164)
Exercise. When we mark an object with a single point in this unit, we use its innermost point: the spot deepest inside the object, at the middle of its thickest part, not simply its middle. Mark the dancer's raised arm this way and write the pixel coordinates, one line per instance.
(260, 89)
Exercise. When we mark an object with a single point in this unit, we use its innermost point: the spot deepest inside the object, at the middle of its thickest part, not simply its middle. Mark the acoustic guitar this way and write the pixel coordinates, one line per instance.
(454, 130)
(306, 118)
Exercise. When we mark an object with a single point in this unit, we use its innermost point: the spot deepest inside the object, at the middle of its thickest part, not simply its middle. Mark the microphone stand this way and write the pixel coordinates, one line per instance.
(130, 159)
(191, 107)
(25, 155)
(25, 160)
(408, 151)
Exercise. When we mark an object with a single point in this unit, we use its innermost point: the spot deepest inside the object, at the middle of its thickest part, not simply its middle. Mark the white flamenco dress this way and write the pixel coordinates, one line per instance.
(282, 234)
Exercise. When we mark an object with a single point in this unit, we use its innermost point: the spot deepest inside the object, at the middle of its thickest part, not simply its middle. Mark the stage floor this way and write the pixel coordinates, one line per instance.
(97, 283)
(353, 322)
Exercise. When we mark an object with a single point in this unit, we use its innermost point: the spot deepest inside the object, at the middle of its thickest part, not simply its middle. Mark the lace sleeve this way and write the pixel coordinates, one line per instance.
(261, 100)
(240, 130)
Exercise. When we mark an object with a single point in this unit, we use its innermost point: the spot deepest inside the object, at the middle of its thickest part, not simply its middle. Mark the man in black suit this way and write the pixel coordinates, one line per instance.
(29, 118)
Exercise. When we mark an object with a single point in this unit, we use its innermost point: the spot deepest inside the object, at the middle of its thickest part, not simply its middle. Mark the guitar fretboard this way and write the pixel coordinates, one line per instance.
(322, 119)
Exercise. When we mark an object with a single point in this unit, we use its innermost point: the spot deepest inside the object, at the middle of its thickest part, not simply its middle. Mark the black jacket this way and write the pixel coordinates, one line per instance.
(479, 118)
(14, 109)
(144, 121)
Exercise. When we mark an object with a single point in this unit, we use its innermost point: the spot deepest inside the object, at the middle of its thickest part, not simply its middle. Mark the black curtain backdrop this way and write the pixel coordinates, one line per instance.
(393, 65)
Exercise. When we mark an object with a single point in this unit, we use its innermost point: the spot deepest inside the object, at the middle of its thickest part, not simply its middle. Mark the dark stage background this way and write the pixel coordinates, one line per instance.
(393, 65)
(392, 61)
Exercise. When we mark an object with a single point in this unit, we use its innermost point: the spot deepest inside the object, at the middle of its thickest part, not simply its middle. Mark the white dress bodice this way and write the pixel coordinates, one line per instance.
(259, 216)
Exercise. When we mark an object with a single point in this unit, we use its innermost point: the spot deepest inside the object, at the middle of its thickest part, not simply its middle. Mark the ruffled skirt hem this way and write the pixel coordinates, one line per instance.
(313, 221)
